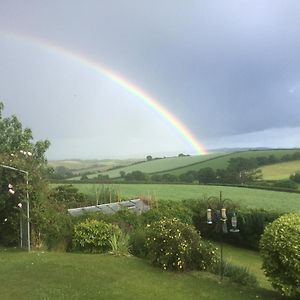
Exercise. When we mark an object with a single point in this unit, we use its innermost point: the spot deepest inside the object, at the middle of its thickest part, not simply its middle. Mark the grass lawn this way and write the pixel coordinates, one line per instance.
(251, 198)
(51, 275)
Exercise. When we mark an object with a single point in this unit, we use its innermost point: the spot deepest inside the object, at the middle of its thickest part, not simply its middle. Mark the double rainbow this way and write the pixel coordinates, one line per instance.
(127, 85)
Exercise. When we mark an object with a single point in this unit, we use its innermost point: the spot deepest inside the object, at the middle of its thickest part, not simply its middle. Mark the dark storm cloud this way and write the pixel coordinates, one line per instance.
(223, 67)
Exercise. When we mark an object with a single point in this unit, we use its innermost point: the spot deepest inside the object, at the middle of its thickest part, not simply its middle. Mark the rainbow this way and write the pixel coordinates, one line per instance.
(127, 85)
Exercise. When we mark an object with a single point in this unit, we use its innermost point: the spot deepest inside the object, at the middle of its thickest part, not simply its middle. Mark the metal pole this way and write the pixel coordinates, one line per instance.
(221, 266)
(27, 200)
(28, 220)
(21, 228)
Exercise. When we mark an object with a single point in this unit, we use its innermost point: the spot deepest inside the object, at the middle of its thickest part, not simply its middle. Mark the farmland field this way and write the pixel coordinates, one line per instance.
(158, 165)
(222, 161)
(281, 170)
(53, 275)
(251, 198)
(78, 165)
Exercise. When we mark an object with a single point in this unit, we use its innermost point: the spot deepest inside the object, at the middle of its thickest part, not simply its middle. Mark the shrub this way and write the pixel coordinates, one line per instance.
(51, 226)
(177, 246)
(137, 243)
(286, 184)
(93, 236)
(168, 209)
(280, 250)
(119, 243)
(236, 274)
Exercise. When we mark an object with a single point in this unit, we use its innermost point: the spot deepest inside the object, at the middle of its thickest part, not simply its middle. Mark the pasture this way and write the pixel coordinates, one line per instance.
(248, 198)
(280, 171)
(157, 165)
(50, 275)
(221, 162)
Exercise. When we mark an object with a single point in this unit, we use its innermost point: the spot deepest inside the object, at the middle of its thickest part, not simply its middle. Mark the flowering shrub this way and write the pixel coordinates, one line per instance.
(94, 236)
(174, 245)
(280, 250)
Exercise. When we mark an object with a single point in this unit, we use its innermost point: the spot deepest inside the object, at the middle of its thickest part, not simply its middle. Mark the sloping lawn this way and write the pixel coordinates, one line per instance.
(39, 275)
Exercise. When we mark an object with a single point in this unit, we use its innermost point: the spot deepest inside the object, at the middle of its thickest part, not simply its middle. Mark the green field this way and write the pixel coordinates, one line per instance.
(251, 198)
(178, 165)
(40, 275)
(280, 171)
(222, 161)
(78, 165)
(157, 165)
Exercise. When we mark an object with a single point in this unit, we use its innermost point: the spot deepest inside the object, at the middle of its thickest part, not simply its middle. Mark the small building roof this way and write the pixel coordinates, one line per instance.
(136, 205)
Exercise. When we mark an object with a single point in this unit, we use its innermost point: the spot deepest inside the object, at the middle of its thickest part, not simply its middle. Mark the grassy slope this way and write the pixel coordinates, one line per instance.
(90, 165)
(222, 161)
(158, 165)
(252, 198)
(82, 276)
(281, 170)
(179, 165)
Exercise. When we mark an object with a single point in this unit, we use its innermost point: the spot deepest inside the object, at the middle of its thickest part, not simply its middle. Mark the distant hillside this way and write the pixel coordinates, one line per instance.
(157, 165)
(221, 161)
(179, 165)
(280, 171)
(77, 166)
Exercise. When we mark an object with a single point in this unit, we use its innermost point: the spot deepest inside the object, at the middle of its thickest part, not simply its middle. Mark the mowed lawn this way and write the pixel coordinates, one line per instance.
(281, 170)
(249, 198)
(51, 275)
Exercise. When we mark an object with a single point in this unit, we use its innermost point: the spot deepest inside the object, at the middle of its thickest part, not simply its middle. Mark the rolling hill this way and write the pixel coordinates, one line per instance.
(280, 171)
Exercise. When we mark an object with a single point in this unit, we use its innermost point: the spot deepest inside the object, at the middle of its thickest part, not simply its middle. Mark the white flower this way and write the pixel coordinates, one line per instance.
(10, 186)
(20, 205)
(29, 153)
(11, 191)
(5, 220)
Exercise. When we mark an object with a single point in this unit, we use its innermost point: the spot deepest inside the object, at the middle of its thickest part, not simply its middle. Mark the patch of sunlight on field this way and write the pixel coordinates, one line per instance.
(280, 171)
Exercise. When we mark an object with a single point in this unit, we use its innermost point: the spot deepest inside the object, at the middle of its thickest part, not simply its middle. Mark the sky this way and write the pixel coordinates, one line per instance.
(228, 71)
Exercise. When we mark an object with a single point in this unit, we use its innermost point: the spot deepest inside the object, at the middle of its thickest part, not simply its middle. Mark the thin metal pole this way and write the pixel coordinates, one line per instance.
(28, 220)
(21, 228)
(221, 266)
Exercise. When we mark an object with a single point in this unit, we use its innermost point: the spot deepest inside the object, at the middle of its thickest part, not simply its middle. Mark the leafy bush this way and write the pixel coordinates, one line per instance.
(137, 243)
(93, 236)
(177, 246)
(51, 226)
(280, 250)
(168, 209)
(295, 177)
(286, 184)
(236, 274)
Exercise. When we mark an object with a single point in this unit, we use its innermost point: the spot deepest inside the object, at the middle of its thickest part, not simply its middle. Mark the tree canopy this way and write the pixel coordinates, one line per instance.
(18, 150)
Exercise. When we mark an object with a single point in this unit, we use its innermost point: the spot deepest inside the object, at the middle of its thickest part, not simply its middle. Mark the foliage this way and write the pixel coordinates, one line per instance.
(286, 184)
(93, 236)
(251, 222)
(119, 243)
(281, 254)
(137, 243)
(53, 226)
(18, 150)
(68, 195)
(295, 177)
(174, 245)
(168, 209)
(107, 194)
(238, 274)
